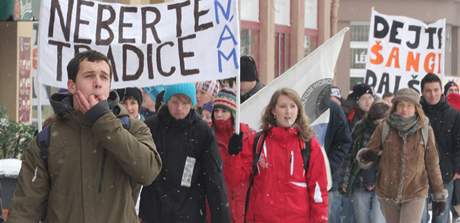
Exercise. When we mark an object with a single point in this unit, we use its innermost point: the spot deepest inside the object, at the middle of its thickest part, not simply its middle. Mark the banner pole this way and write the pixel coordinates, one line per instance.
(238, 93)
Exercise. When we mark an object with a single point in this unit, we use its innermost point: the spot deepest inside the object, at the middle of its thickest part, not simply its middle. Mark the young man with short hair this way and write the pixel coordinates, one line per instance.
(446, 126)
(192, 168)
(92, 164)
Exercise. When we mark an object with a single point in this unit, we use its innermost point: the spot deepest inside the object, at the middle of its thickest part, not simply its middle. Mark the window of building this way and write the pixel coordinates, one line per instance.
(359, 36)
(282, 38)
(249, 37)
(311, 26)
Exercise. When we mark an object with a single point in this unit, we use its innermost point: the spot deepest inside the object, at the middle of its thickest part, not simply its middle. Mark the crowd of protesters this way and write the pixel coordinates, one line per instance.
(174, 151)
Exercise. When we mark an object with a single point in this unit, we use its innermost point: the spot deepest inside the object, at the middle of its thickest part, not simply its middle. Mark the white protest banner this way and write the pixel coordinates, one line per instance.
(181, 41)
(402, 50)
(309, 77)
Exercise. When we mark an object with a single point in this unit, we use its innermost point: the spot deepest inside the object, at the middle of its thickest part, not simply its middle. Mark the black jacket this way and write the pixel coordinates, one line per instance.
(445, 122)
(252, 91)
(165, 200)
(338, 139)
(354, 176)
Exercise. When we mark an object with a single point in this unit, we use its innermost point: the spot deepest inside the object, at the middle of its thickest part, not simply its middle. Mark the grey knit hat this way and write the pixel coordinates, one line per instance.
(408, 94)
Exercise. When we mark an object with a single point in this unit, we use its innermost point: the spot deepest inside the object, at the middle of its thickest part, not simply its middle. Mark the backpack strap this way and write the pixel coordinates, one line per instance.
(43, 141)
(385, 132)
(306, 151)
(425, 135)
(44, 136)
(256, 156)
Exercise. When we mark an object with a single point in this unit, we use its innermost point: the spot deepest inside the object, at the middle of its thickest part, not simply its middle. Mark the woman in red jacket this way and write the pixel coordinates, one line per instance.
(283, 189)
(235, 151)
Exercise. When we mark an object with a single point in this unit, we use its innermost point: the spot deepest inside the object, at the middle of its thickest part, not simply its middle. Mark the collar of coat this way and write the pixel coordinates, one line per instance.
(167, 119)
(62, 104)
(440, 106)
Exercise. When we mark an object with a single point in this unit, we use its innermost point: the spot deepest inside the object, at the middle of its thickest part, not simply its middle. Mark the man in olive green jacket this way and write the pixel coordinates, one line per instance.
(94, 165)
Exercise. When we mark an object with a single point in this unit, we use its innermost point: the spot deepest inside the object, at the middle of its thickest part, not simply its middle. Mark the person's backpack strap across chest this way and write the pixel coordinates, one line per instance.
(44, 138)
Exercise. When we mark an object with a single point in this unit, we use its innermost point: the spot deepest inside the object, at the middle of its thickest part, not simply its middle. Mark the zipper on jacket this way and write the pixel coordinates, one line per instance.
(403, 167)
(291, 161)
(101, 174)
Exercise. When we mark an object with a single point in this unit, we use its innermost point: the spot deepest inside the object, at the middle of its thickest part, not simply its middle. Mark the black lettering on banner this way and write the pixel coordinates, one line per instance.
(140, 57)
(158, 57)
(431, 31)
(384, 83)
(394, 31)
(77, 48)
(416, 30)
(151, 25)
(60, 46)
(79, 21)
(150, 61)
(112, 62)
(101, 24)
(397, 81)
(440, 38)
(380, 34)
(414, 83)
(178, 7)
(122, 24)
(197, 14)
(371, 78)
(183, 55)
(55, 7)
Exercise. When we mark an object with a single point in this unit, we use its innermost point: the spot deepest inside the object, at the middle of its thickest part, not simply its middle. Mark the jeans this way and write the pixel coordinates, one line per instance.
(406, 212)
(366, 207)
(340, 208)
(443, 217)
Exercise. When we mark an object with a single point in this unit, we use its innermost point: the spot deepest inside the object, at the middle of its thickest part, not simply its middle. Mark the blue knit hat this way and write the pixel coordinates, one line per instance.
(154, 91)
(187, 89)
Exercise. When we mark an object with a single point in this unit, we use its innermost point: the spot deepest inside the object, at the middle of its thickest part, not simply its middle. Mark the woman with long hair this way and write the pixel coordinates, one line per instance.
(408, 162)
(289, 181)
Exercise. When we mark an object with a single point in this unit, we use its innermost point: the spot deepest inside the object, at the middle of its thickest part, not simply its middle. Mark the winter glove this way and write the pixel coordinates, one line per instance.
(343, 188)
(370, 188)
(369, 156)
(235, 145)
(438, 207)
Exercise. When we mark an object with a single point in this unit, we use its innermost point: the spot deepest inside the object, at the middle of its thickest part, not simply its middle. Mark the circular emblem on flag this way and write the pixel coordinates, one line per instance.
(313, 98)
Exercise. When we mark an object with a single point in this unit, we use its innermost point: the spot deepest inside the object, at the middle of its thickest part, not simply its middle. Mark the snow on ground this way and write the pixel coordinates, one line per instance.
(10, 167)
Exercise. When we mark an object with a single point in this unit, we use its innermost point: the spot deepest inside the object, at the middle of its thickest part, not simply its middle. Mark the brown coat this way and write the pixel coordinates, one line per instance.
(93, 172)
(404, 170)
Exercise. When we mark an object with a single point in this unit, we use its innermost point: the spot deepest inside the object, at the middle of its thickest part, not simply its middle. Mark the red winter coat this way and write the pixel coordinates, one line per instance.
(282, 191)
(237, 168)
(454, 100)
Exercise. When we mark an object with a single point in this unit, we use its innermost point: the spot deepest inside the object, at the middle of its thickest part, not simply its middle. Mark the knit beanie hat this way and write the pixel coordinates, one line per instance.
(226, 99)
(154, 91)
(210, 87)
(360, 90)
(449, 85)
(132, 92)
(208, 106)
(378, 111)
(187, 89)
(248, 70)
(407, 94)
